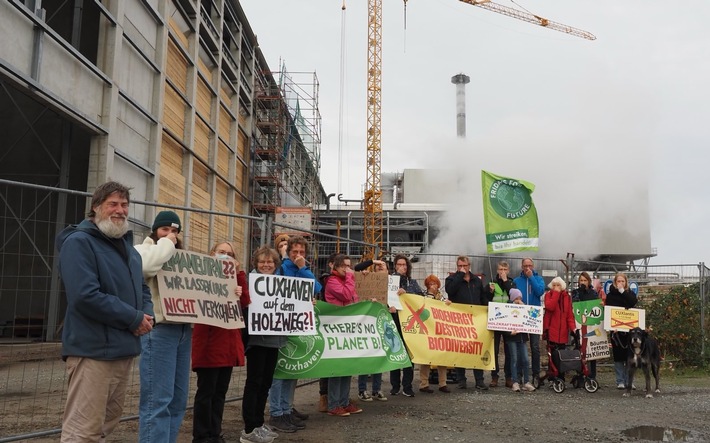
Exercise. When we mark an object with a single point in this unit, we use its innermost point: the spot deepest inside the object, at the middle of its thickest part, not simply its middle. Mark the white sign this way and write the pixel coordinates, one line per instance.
(392, 296)
(298, 220)
(281, 305)
(199, 288)
(511, 317)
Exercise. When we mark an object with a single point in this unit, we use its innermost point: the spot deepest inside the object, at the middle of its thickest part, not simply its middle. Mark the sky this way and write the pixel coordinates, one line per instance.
(613, 132)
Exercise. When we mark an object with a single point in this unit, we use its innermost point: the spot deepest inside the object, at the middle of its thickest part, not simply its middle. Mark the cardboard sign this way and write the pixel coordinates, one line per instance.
(199, 288)
(372, 285)
(281, 305)
(621, 319)
(511, 317)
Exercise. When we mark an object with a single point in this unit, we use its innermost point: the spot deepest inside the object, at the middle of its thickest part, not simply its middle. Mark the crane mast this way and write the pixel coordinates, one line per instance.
(372, 202)
(530, 18)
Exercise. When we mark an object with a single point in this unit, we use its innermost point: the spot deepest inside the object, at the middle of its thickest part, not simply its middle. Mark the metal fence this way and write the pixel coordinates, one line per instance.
(32, 375)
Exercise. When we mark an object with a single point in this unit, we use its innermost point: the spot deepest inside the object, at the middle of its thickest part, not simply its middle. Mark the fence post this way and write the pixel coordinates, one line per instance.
(703, 326)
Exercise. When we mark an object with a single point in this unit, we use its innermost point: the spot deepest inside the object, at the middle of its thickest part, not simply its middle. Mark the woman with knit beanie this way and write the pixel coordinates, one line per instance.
(165, 358)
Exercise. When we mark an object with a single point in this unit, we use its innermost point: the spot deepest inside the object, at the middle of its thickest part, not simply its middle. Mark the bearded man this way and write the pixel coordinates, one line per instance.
(108, 308)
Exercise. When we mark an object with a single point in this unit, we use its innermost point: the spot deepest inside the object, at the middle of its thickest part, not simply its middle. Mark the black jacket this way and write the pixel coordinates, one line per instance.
(469, 292)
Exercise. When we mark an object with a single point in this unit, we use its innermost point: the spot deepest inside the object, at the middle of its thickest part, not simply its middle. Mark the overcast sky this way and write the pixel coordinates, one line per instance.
(595, 125)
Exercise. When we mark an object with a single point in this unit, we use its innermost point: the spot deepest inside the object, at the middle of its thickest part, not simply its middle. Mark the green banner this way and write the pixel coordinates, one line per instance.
(351, 340)
(509, 214)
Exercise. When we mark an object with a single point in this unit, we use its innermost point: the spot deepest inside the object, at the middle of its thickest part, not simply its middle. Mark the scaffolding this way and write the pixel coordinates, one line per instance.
(286, 146)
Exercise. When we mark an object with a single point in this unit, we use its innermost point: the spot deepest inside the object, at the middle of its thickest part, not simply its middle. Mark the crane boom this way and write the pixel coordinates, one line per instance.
(372, 203)
(530, 18)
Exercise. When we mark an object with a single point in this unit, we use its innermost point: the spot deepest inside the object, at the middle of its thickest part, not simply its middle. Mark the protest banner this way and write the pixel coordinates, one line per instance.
(589, 316)
(351, 340)
(509, 214)
(372, 285)
(199, 288)
(281, 305)
(452, 336)
(511, 317)
(622, 319)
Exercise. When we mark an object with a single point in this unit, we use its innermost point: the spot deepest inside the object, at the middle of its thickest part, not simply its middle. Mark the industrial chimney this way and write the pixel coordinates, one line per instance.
(460, 81)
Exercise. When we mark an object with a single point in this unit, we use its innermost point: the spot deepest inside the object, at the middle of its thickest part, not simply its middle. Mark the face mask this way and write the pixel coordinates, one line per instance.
(222, 257)
(621, 289)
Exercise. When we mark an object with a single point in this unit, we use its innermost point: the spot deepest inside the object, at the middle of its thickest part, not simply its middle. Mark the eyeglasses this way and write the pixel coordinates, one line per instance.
(527, 266)
(265, 262)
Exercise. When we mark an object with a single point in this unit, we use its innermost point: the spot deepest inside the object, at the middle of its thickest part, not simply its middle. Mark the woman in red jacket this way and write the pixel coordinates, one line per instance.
(558, 321)
(215, 351)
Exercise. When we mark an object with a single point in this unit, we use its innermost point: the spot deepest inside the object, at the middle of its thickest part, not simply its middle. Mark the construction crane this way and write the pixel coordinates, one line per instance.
(372, 202)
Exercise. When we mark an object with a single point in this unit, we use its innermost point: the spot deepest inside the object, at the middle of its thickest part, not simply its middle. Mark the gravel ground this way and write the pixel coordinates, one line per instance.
(497, 415)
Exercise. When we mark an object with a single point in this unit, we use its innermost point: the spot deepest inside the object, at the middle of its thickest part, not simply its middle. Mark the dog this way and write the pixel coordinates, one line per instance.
(643, 353)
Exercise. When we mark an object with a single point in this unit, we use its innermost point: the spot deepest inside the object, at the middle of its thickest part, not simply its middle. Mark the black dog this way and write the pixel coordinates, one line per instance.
(643, 353)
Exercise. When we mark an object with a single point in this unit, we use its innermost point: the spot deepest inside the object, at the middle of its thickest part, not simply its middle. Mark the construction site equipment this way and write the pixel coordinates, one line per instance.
(372, 203)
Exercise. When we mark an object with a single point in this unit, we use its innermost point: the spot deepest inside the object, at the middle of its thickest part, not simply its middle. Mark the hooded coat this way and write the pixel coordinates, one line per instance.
(558, 320)
(106, 294)
(620, 340)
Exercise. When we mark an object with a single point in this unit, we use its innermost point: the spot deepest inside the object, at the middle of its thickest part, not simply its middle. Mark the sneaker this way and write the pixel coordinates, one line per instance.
(408, 392)
(445, 389)
(481, 386)
(364, 396)
(266, 430)
(254, 437)
(394, 391)
(281, 424)
(428, 390)
(620, 386)
(338, 412)
(528, 387)
(299, 415)
(516, 387)
(379, 396)
(352, 409)
(297, 422)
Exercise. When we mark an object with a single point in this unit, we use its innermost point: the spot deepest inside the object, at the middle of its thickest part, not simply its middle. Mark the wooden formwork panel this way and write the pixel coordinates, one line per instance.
(176, 69)
(174, 111)
(178, 33)
(225, 96)
(199, 232)
(204, 100)
(205, 71)
(225, 124)
(224, 158)
(242, 146)
(202, 140)
(172, 179)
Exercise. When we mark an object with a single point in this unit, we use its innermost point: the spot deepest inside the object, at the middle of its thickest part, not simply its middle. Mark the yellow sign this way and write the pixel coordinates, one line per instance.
(621, 319)
(441, 335)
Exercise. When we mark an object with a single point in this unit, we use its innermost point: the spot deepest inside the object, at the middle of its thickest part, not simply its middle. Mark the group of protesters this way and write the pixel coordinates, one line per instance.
(114, 314)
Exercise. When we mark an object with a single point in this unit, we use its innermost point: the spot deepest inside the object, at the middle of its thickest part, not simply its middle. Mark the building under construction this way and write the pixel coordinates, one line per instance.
(171, 97)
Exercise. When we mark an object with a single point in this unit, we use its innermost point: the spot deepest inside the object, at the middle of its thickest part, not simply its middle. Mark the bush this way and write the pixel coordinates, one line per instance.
(673, 317)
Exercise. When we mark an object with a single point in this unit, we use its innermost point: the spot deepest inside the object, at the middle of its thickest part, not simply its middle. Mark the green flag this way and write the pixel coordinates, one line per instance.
(351, 340)
(509, 214)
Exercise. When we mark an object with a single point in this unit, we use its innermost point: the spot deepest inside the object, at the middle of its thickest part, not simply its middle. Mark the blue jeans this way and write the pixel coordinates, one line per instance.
(535, 353)
(338, 392)
(620, 371)
(165, 381)
(518, 360)
(281, 396)
(376, 383)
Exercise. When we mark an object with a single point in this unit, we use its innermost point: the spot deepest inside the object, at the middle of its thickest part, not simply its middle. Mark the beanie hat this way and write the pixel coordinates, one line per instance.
(514, 294)
(559, 281)
(167, 218)
(279, 238)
